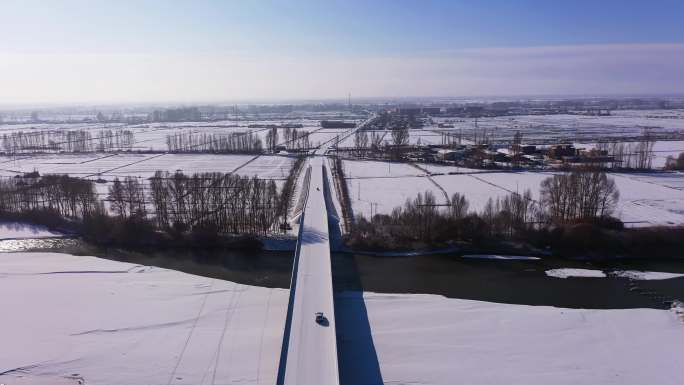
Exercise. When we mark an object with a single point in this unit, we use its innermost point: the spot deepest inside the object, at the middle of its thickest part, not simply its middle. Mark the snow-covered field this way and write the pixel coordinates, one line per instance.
(571, 127)
(416, 137)
(645, 199)
(152, 136)
(661, 150)
(106, 322)
(106, 167)
(325, 135)
(375, 169)
(117, 323)
(476, 190)
(382, 186)
(444, 169)
(144, 165)
(385, 194)
(428, 339)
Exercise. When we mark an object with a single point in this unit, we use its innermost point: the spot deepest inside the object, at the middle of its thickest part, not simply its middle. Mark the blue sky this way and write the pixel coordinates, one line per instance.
(251, 37)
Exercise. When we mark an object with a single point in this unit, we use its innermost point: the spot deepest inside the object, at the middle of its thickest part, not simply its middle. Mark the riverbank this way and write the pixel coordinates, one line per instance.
(136, 235)
(108, 320)
(580, 241)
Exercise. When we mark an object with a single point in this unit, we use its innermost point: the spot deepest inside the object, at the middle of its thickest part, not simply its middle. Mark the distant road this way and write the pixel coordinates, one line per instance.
(323, 148)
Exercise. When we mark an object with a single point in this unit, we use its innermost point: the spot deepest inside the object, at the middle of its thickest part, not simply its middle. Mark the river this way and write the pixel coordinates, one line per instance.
(503, 281)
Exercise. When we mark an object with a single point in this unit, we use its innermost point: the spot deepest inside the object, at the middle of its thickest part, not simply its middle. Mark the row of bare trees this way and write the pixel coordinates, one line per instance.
(227, 203)
(222, 203)
(69, 197)
(513, 214)
(578, 196)
(289, 187)
(363, 142)
(400, 136)
(128, 198)
(296, 139)
(67, 141)
(272, 139)
(192, 142)
(109, 140)
(632, 155)
(586, 196)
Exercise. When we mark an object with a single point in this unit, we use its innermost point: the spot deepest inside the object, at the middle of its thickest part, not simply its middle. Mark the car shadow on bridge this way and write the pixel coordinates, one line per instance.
(357, 357)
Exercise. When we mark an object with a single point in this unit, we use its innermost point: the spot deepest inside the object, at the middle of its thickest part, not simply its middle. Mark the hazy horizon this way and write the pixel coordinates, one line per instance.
(406, 100)
(152, 52)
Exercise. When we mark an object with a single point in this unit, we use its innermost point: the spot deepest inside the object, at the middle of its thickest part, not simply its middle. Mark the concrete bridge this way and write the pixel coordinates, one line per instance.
(309, 350)
(309, 353)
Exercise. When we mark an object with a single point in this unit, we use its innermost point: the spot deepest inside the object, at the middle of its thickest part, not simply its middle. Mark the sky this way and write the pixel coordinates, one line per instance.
(124, 51)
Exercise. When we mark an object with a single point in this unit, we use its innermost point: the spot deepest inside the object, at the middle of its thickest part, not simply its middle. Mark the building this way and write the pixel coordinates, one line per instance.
(561, 151)
(408, 111)
(337, 124)
(445, 155)
(432, 110)
(186, 114)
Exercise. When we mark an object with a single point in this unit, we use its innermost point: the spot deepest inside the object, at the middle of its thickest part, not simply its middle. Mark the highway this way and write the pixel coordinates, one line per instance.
(311, 354)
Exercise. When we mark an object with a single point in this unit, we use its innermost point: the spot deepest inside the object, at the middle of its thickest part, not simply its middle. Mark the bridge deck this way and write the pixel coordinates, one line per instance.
(311, 354)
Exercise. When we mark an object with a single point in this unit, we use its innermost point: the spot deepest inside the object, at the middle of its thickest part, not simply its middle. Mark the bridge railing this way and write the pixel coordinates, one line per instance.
(303, 195)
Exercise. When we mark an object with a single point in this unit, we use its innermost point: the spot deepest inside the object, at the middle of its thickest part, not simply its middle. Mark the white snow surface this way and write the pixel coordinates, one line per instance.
(646, 199)
(385, 194)
(67, 317)
(502, 257)
(429, 339)
(121, 165)
(661, 150)
(580, 273)
(118, 323)
(433, 168)
(647, 275)
(378, 169)
(16, 230)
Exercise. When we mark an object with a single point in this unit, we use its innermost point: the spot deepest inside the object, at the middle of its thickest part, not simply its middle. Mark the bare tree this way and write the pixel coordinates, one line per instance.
(458, 208)
(360, 142)
(400, 136)
(117, 199)
(580, 195)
